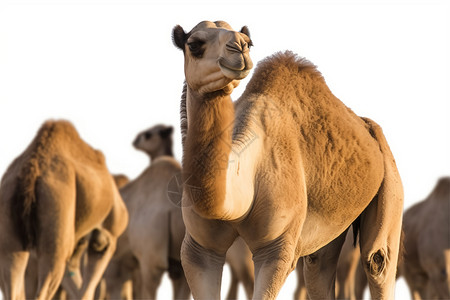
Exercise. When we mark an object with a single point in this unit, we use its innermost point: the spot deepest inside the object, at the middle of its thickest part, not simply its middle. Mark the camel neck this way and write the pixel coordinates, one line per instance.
(164, 150)
(210, 121)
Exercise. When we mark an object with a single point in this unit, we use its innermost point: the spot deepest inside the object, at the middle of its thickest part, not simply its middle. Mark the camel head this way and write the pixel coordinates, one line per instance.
(155, 141)
(215, 56)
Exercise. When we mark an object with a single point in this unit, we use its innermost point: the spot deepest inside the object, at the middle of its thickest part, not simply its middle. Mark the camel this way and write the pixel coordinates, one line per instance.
(54, 197)
(426, 265)
(288, 167)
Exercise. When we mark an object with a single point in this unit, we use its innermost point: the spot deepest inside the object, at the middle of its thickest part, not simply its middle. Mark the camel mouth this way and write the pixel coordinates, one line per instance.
(233, 74)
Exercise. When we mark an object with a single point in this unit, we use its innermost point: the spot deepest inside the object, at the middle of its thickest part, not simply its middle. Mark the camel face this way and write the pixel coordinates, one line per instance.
(152, 139)
(215, 56)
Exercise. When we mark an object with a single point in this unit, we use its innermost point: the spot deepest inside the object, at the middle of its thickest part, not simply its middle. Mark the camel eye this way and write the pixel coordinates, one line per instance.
(196, 48)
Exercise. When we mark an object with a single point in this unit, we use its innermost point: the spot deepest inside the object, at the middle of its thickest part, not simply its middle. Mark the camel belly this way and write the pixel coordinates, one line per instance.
(334, 205)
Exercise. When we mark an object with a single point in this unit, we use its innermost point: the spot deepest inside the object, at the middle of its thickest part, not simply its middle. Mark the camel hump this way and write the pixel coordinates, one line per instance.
(441, 191)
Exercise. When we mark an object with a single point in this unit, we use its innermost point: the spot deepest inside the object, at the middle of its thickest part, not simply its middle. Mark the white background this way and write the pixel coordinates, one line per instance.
(110, 68)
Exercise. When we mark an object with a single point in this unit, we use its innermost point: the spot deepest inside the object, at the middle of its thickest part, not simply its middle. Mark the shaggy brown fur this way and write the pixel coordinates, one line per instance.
(55, 193)
(288, 168)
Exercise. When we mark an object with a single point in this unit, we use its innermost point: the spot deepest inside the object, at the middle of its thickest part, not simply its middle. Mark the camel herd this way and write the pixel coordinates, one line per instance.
(286, 177)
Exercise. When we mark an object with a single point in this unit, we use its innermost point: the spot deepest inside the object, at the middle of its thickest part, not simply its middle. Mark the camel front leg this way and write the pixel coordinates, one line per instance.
(203, 269)
(180, 286)
(72, 280)
(320, 269)
(273, 263)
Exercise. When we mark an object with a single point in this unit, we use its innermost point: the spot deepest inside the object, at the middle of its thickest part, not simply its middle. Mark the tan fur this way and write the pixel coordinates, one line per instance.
(426, 265)
(55, 193)
(311, 167)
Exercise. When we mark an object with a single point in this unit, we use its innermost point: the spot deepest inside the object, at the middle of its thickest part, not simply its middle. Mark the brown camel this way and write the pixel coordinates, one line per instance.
(54, 197)
(288, 167)
(426, 264)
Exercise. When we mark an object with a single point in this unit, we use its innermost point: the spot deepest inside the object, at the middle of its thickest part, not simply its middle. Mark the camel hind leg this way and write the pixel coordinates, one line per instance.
(320, 269)
(381, 226)
(13, 257)
(55, 236)
(12, 271)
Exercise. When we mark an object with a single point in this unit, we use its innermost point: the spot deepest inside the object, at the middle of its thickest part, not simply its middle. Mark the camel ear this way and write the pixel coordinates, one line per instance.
(179, 37)
(166, 132)
(246, 31)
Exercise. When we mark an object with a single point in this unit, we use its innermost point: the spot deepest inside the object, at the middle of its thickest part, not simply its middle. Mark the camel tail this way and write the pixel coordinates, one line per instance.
(23, 208)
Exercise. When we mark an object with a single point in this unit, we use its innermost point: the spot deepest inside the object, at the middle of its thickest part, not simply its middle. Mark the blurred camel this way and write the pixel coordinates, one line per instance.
(152, 241)
(54, 195)
(426, 265)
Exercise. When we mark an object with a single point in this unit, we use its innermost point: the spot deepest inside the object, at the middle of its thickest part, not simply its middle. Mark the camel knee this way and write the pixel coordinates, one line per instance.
(377, 263)
(192, 253)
